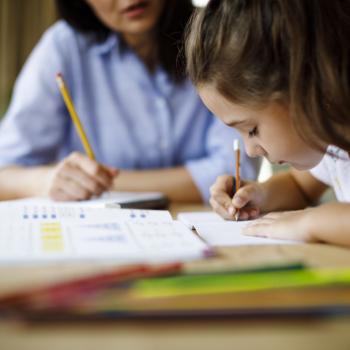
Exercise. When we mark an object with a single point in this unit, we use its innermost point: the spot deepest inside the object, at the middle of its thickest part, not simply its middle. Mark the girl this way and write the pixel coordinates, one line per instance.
(143, 119)
(278, 71)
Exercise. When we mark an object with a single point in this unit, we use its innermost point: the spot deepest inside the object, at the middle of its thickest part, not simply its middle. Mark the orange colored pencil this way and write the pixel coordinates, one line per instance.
(237, 152)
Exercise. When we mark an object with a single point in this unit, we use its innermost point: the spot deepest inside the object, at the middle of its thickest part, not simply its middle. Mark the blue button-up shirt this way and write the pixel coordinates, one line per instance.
(133, 119)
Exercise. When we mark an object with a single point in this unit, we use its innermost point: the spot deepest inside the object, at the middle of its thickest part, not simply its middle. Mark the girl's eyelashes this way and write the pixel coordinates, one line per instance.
(253, 132)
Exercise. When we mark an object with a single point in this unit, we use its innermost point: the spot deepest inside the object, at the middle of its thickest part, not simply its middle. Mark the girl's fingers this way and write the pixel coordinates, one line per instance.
(243, 200)
(223, 184)
(243, 196)
(222, 210)
(248, 213)
(221, 197)
(258, 229)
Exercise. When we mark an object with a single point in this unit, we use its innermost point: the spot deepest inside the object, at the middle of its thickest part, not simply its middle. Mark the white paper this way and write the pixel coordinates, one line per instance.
(228, 233)
(191, 219)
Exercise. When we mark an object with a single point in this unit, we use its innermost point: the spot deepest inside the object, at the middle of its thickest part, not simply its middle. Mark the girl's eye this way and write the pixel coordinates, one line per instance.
(253, 132)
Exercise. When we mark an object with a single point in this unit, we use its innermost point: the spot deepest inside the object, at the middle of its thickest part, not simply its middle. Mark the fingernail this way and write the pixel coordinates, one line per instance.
(231, 210)
(238, 200)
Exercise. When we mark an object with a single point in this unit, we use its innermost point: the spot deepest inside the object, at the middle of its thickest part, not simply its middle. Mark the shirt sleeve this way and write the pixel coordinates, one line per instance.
(220, 159)
(34, 124)
(321, 172)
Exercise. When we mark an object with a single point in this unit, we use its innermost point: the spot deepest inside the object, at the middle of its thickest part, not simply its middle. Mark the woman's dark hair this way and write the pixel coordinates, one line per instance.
(170, 29)
(295, 51)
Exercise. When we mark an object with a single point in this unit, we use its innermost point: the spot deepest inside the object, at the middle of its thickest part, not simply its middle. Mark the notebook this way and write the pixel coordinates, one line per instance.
(37, 232)
(218, 232)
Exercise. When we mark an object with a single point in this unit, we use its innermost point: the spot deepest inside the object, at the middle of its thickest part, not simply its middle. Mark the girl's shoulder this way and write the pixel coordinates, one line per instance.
(334, 170)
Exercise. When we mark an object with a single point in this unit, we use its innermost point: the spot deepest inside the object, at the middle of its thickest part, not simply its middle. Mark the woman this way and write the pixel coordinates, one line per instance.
(144, 120)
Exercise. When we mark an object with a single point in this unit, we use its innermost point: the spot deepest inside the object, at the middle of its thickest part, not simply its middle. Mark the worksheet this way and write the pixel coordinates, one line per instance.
(32, 233)
(191, 219)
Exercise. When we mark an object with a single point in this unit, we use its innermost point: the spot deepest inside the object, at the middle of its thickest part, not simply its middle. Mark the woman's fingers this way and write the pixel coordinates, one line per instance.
(76, 175)
(98, 172)
(77, 178)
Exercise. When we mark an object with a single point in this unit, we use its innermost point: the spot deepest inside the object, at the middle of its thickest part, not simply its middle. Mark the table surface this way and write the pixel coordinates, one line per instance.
(239, 333)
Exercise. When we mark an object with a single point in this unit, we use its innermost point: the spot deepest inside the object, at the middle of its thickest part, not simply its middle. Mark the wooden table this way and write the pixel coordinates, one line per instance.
(232, 333)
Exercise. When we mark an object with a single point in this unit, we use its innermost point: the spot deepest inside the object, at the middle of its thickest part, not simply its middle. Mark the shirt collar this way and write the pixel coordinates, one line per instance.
(337, 153)
(109, 44)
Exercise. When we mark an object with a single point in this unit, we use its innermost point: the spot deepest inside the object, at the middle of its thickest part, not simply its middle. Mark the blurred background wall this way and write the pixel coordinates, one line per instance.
(21, 24)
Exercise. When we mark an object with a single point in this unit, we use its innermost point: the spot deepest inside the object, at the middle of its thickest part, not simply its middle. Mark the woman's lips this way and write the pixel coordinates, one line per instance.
(135, 10)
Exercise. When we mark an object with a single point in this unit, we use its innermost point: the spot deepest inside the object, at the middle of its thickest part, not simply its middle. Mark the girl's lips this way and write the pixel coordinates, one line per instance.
(135, 10)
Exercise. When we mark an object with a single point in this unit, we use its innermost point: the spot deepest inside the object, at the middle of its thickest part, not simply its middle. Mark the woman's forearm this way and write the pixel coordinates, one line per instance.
(18, 182)
(175, 183)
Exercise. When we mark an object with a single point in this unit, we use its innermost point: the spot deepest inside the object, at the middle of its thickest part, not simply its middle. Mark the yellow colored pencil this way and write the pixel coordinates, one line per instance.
(72, 112)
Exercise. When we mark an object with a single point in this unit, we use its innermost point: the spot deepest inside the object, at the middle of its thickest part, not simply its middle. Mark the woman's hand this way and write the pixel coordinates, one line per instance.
(248, 199)
(290, 225)
(78, 177)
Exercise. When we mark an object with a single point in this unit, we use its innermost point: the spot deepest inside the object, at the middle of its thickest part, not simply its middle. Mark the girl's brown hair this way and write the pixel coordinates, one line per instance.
(254, 50)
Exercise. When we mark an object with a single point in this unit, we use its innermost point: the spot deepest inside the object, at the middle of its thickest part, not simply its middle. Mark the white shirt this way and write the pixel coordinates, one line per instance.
(334, 170)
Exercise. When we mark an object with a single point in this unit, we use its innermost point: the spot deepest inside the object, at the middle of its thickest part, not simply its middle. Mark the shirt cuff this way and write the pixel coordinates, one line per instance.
(205, 171)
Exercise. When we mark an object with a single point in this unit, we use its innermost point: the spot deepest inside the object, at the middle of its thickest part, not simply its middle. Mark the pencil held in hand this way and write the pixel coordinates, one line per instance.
(237, 181)
(72, 112)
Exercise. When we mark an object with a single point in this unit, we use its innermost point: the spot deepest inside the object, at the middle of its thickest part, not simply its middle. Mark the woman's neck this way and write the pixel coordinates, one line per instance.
(145, 47)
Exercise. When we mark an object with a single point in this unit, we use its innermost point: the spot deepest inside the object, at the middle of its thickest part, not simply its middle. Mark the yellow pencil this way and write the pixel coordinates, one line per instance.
(72, 112)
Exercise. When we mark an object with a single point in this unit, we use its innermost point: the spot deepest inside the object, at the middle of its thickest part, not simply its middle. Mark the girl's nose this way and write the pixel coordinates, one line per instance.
(253, 150)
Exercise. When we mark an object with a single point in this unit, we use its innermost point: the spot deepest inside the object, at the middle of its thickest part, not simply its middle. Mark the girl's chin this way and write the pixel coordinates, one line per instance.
(304, 167)
(300, 167)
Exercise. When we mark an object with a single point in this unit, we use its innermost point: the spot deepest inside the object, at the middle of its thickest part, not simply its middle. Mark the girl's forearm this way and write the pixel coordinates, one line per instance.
(282, 192)
(329, 223)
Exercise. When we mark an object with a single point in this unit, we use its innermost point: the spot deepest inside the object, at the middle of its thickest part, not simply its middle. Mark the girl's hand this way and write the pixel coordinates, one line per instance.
(78, 177)
(248, 199)
(290, 225)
